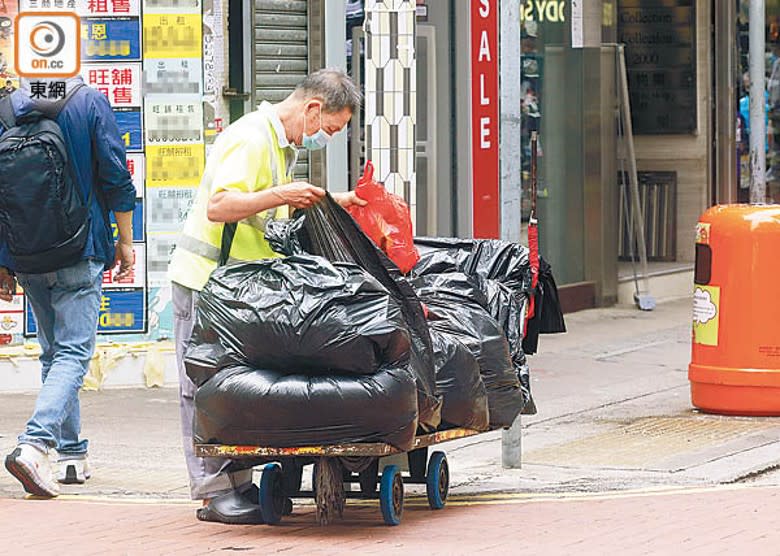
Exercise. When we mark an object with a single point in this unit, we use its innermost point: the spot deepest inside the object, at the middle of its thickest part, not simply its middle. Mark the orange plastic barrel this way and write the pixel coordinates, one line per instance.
(735, 359)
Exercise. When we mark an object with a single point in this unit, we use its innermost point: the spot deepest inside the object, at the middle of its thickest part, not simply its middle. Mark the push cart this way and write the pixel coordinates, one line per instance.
(281, 475)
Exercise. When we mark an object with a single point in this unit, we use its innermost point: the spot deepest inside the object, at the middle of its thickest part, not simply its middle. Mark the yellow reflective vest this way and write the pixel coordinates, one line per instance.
(246, 157)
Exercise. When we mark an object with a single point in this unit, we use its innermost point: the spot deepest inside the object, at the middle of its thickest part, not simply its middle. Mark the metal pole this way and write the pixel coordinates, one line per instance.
(336, 56)
(511, 446)
(757, 103)
(511, 169)
(510, 148)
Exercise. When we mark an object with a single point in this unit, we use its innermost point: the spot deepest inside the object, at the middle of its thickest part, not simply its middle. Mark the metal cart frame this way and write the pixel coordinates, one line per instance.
(282, 476)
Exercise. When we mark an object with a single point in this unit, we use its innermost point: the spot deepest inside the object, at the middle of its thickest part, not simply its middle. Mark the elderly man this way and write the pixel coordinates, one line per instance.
(248, 181)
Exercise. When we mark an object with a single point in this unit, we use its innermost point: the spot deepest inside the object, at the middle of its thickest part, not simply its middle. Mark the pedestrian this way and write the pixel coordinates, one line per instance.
(56, 240)
(248, 181)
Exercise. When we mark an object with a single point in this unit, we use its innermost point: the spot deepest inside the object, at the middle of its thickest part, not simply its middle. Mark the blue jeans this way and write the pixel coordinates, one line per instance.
(66, 303)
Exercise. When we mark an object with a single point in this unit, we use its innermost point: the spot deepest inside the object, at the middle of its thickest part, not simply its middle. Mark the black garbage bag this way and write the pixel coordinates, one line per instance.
(301, 313)
(282, 236)
(241, 405)
(500, 270)
(329, 231)
(456, 309)
(498, 301)
(458, 381)
(205, 355)
(508, 309)
(505, 272)
(494, 259)
(509, 264)
(524, 374)
(548, 315)
(439, 260)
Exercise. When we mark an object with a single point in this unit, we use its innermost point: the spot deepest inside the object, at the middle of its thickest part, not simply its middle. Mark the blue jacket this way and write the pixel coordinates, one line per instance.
(97, 154)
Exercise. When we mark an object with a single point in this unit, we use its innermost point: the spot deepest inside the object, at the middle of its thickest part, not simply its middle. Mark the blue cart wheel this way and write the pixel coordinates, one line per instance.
(391, 495)
(437, 481)
(272, 496)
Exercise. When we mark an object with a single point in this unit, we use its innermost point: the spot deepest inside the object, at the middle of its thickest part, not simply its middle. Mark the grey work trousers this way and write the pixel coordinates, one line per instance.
(208, 476)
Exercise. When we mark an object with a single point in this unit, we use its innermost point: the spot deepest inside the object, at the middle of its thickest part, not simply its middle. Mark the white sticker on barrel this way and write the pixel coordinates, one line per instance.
(706, 309)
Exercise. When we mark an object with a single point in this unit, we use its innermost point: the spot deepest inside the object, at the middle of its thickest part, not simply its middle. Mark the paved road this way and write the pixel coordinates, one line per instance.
(614, 416)
(722, 520)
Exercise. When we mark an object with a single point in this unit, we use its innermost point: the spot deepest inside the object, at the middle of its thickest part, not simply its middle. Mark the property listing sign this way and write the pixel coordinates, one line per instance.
(146, 58)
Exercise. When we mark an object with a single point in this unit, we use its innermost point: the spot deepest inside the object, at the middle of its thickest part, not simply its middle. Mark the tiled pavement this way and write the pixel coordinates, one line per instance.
(614, 415)
(723, 520)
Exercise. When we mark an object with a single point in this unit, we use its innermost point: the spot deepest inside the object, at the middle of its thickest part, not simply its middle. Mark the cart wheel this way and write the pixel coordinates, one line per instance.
(437, 482)
(272, 497)
(369, 478)
(391, 495)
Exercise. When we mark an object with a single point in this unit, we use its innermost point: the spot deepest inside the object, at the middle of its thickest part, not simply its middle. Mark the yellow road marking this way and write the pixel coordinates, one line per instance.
(497, 498)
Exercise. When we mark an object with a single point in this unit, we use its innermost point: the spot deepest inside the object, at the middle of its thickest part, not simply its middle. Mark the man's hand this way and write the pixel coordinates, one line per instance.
(348, 199)
(7, 285)
(299, 194)
(125, 258)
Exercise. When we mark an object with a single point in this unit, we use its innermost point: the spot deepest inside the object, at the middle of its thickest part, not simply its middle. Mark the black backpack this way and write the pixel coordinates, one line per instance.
(43, 219)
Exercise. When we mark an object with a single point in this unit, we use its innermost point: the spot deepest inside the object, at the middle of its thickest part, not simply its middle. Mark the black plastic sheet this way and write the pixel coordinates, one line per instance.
(242, 405)
(301, 313)
(459, 382)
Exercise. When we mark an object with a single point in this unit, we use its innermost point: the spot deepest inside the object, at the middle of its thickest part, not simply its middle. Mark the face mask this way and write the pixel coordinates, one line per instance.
(317, 141)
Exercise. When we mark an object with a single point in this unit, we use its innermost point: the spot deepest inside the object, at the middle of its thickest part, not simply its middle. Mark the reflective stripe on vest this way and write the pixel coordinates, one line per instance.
(260, 222)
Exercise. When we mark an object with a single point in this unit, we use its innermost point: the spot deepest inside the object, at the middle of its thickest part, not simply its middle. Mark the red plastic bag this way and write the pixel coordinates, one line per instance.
(386, 220)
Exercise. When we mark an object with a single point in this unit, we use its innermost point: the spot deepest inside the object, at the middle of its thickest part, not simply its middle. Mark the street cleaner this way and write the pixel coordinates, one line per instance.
(248, 181)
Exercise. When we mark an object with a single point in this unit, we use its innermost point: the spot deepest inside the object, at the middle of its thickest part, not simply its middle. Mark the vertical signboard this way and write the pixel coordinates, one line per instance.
(484, 118)
(9, 80)
(173, 78)
(146, 57)
(111, 63)
(216, 112)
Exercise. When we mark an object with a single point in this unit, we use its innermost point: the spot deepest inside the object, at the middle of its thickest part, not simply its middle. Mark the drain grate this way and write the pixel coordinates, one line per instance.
(647, 441)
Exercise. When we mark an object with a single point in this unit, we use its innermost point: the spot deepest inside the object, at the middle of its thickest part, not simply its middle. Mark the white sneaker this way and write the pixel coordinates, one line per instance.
(32, 467)
(73, 471)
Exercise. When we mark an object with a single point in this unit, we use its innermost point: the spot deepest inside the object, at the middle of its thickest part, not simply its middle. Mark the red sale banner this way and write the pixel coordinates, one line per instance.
(484, 118)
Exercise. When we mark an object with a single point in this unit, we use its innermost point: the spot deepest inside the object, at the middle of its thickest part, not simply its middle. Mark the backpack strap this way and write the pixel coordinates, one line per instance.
(7, 116)
(52, 109)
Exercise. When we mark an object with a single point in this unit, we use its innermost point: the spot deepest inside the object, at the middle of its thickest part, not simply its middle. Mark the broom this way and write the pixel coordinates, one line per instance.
(328, 489)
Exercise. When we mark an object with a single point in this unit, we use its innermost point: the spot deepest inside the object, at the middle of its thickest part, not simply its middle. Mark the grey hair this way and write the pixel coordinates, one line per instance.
(334, 87)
